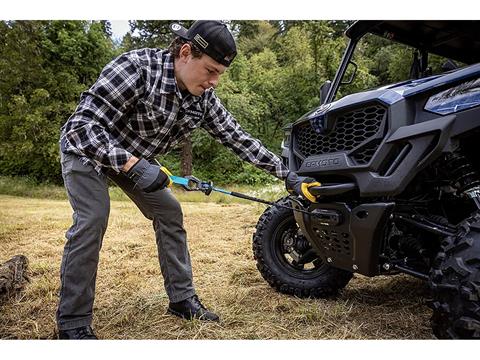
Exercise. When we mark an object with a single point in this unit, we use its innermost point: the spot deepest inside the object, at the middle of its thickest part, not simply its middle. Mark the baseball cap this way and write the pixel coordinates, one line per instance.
(211, 37)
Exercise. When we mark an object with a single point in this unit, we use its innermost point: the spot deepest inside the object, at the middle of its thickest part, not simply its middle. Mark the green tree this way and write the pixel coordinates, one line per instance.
(44, 67)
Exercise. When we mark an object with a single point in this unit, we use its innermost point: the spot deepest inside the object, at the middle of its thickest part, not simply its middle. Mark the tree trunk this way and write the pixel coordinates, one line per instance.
(187, 156)
(13, 276)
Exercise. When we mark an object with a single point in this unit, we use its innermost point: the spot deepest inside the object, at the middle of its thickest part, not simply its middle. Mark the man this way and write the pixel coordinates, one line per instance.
(143, 103)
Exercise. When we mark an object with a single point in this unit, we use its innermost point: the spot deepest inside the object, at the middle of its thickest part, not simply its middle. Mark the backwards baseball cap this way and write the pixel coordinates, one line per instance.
(211, 37)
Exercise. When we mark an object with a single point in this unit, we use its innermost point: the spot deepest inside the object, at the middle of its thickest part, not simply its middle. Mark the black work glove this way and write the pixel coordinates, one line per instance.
(300, 184)
(149, 177)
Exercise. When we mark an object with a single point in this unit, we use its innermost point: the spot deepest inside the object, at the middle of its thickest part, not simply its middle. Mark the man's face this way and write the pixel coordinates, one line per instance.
(196, 74)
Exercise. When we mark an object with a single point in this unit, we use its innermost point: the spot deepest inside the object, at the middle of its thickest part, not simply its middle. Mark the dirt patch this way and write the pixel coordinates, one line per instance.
(131, 301)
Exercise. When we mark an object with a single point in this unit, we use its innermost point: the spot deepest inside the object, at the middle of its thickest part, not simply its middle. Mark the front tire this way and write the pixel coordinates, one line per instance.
(455, 284)
(286, 260)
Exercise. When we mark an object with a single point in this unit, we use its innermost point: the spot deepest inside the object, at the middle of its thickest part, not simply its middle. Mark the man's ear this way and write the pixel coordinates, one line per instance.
(185, 51)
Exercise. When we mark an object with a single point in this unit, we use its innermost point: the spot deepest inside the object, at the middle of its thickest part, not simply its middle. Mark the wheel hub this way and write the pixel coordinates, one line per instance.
(297, 251)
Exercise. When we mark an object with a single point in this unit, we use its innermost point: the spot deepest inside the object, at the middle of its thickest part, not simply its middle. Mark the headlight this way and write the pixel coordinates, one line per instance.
(458, 98)
(317, 118)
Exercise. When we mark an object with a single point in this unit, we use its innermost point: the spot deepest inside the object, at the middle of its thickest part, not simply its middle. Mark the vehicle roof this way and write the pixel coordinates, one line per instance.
(454, 39)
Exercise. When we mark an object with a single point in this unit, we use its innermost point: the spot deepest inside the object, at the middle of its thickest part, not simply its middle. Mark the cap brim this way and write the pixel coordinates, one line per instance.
(179, 30)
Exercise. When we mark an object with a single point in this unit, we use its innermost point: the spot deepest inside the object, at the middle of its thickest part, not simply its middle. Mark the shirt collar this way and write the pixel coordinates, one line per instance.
(169, 83)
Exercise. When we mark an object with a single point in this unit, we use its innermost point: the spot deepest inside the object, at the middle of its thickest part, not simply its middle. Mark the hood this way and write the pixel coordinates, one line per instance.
(396, 92)
(393, 93)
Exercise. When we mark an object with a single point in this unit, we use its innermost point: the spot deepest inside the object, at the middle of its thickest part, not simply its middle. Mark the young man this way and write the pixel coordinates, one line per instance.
(143, 103)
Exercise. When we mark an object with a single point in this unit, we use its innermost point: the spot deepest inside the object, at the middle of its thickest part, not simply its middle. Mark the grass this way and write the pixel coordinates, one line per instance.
(25, 187)
(131, 301)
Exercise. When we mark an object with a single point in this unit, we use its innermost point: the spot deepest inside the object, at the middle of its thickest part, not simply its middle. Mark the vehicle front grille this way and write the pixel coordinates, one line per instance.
(350, 130)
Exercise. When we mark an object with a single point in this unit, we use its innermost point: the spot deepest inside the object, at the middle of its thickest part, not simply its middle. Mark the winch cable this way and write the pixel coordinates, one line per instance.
(191, 183)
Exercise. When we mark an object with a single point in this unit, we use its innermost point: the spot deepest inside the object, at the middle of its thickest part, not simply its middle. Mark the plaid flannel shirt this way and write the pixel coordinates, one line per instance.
(136, 108)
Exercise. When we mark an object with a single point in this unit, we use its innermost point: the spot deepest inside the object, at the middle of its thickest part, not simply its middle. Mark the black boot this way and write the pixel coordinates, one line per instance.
(81, 333)
(192, 308)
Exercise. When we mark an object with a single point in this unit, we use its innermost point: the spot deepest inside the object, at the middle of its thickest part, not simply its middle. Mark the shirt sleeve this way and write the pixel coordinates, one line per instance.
(88, 129)
(219, 123)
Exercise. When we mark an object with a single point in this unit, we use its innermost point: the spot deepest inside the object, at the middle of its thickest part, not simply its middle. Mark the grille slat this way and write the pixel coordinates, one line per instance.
(350, 130)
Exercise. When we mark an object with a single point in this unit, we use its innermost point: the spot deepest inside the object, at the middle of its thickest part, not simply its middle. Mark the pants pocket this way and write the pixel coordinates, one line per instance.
(66, 160)
(73, 163)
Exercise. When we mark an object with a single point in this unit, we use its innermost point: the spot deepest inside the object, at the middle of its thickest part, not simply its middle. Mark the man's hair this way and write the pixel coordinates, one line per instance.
(178, 42)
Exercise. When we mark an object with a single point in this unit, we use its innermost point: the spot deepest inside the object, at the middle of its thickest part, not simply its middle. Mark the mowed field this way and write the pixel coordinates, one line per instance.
(131, 301)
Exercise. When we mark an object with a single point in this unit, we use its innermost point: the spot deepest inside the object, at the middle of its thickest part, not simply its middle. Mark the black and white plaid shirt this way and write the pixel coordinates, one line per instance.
(136, 108)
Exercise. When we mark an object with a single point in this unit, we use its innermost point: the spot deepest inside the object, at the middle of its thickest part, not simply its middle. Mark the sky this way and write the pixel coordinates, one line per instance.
(119, 28)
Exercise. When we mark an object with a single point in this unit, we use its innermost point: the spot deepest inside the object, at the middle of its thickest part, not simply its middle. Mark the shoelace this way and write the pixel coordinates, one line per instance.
(196, 300)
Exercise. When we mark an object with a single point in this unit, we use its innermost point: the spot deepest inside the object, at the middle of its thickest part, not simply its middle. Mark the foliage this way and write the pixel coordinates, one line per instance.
(44, 67)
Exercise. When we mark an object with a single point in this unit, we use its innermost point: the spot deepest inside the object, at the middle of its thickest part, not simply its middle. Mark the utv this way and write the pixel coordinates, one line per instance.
(399, 167)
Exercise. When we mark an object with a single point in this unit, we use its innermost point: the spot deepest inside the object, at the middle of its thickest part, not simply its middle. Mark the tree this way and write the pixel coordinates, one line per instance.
(44, 67)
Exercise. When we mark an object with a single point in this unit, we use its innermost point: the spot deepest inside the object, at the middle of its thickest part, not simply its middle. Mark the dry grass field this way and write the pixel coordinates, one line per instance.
(131, 301)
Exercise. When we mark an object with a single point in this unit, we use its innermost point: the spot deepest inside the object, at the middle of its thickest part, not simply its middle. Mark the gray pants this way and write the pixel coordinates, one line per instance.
(88, 195)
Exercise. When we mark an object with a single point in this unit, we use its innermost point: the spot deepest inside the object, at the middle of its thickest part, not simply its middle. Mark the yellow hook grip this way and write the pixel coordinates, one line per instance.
(306, 192)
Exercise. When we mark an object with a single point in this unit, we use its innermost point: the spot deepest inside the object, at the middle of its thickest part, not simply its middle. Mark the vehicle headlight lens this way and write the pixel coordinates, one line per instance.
(317, 118)
(458, 98)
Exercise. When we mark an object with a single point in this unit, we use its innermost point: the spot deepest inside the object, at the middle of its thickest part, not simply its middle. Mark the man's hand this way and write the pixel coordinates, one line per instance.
(300, 185)
(149, 177)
